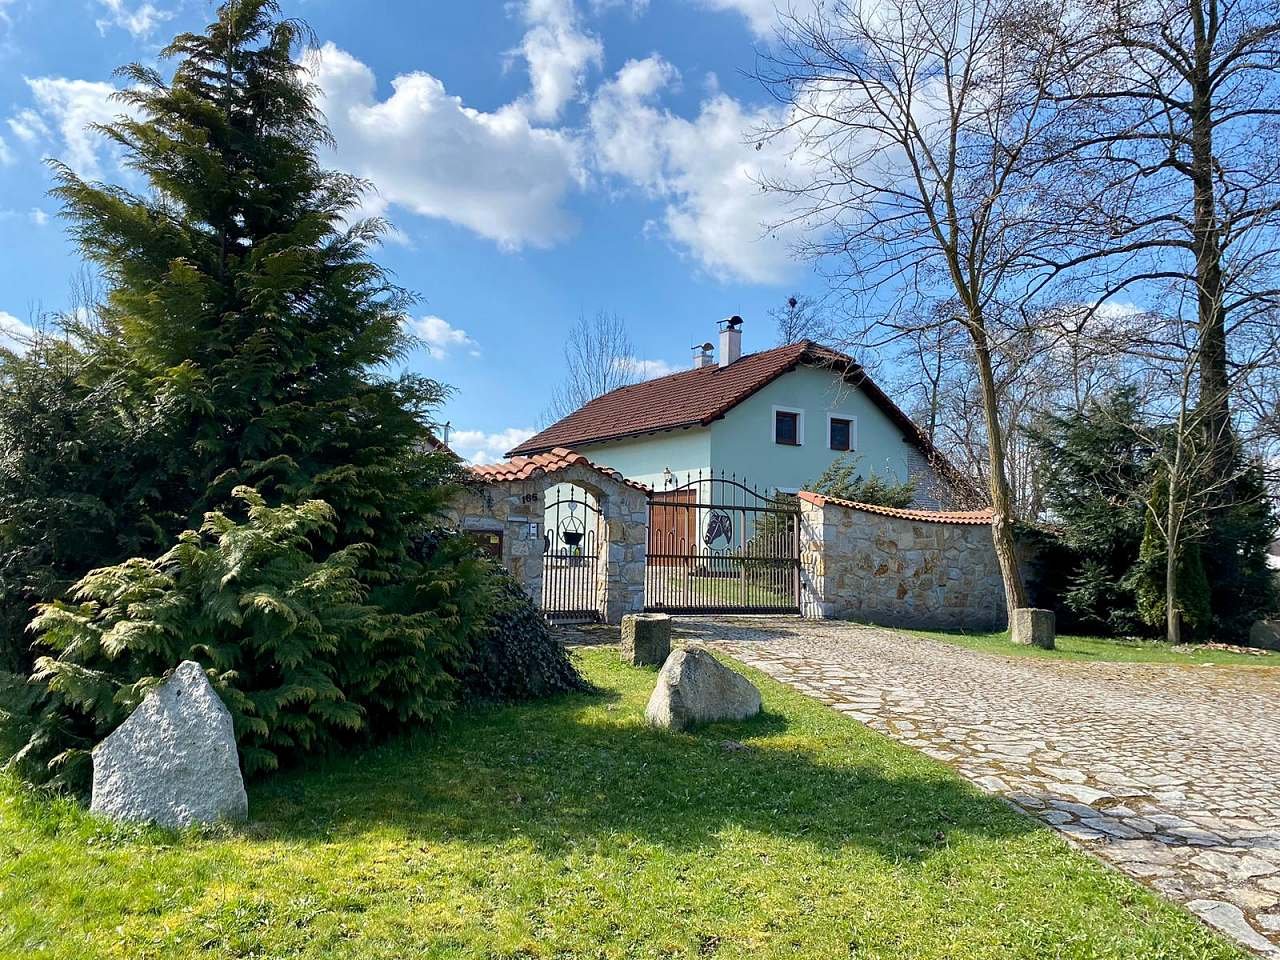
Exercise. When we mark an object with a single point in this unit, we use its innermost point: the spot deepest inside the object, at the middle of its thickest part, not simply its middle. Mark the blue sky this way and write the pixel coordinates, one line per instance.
(539, 158)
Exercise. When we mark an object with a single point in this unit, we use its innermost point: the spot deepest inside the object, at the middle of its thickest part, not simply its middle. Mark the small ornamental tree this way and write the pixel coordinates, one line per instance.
(244, 314)
(1150, 577)
(845, 480)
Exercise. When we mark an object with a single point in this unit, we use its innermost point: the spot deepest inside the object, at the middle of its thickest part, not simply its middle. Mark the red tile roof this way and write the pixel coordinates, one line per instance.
(542, 464)
(923, 516)
(696, 397)
(689, 398)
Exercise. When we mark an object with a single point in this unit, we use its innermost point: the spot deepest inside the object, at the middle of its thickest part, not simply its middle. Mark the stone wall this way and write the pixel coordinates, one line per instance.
(515, 509)
(899, 567)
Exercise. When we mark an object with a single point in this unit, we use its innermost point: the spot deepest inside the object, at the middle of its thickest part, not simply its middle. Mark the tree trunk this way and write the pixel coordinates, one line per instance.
(1207, 240)
(1173, 534)
(1015, 589)
(1172, 617)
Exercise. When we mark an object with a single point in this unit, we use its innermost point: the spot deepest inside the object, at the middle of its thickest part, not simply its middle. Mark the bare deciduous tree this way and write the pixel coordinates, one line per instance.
(1170, 172)
(598, 357)
(912, 125)
(802, 318)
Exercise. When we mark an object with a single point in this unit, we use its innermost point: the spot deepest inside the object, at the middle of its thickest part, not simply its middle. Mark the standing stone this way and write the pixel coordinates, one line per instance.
(1033, 626)
(646, 638)
(695, 687)
(174, 761)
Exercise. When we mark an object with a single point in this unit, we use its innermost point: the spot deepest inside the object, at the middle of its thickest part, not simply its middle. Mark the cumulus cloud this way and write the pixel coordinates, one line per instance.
(63, 115)
(14, 334)
(477, 446)
(28, 126)
(703, 168)
(762, 15)
(493, 173)
(558, 54)
(139, 19)
(441, 338)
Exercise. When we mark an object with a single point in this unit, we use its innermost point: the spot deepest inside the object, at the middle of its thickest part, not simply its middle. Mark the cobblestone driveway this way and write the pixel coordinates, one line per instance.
(1169, 772)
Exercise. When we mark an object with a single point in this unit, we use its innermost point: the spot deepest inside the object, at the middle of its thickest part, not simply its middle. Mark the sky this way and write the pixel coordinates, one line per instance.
(539, 159)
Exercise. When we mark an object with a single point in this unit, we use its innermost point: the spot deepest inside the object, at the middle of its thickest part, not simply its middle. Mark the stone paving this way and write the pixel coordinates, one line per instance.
(1169, 772)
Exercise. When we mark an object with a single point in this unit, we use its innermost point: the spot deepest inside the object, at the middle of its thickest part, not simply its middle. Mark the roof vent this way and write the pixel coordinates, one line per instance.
(702, 355)
(730, 340)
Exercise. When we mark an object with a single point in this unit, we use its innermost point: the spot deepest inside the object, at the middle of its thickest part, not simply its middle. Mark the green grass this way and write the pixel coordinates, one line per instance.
(568, 829)
(1103, 649)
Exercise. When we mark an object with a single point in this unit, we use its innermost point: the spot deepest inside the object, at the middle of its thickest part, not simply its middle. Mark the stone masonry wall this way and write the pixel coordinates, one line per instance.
(859, 565)
(515, 508)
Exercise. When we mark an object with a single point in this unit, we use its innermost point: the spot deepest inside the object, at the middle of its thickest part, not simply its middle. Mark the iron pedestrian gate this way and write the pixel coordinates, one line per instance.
(571, 558)
(717, 545)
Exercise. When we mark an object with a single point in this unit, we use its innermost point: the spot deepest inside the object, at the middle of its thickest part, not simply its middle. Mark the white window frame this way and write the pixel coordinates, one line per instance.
(773, 425)
(853, 431)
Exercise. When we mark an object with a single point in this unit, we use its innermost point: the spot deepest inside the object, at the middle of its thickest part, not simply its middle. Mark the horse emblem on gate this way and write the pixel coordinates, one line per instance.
(719, 533)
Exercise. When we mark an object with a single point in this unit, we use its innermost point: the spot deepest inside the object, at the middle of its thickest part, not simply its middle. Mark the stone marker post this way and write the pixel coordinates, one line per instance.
(646, 638)
(1032, 626)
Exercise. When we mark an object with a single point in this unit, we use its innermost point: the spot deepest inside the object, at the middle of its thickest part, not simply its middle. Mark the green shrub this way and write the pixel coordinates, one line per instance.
(283, 624)
(513, 655)
(844, 480)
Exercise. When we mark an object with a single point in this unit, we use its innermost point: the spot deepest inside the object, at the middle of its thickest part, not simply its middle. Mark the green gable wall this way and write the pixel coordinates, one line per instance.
(742, 441)
(644, 459)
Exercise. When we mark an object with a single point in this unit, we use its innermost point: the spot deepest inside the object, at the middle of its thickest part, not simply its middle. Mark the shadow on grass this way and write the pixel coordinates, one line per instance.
(582, 771)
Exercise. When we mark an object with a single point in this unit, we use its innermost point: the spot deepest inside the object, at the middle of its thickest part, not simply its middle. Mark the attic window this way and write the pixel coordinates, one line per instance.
(840, 433)
(786, 427)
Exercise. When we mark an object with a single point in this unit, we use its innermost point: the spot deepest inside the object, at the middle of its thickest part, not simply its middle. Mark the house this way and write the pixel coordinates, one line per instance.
(777, 418)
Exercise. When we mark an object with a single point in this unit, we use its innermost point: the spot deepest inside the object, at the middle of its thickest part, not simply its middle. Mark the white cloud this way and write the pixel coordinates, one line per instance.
(6, 155)
(14, 334)
(70, 107)
(140, 20)
(703, 168)
(636, 8)
(38, 217)
(440, 337)
(476, 446)
(558, 53)
(493, 173)
(762, 15)
(28, 126)
(645, 369)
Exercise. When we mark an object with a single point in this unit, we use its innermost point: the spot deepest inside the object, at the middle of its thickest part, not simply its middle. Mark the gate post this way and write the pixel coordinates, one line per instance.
(813, 573)
(626, 526)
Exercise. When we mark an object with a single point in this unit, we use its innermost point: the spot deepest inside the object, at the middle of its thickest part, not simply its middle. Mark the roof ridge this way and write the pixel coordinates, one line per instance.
(982, 516)
(685, 398)
(543, 464)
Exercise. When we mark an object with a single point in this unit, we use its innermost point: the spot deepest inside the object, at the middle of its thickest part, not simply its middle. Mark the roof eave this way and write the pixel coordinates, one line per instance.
(524, 450)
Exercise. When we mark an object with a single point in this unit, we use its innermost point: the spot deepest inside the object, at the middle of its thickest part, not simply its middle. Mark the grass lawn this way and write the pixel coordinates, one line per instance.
(1104, 649)
(569, 829)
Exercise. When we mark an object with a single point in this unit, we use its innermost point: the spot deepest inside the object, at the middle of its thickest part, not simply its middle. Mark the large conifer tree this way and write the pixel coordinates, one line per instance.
(243, 306)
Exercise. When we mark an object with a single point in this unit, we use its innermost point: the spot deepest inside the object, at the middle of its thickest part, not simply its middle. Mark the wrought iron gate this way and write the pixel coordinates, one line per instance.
(571, 557)
(717, 545)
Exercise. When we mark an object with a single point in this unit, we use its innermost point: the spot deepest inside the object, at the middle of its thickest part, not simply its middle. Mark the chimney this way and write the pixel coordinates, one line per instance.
(702, 356)
(730, 340)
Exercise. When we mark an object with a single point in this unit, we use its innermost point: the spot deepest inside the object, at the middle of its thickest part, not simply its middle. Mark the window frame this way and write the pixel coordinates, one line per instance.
(798, 414)
(853, 431)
